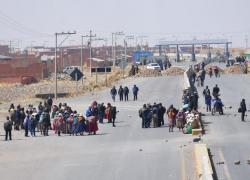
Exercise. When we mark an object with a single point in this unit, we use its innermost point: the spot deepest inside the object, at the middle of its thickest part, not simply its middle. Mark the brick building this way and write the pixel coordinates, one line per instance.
(12, 70)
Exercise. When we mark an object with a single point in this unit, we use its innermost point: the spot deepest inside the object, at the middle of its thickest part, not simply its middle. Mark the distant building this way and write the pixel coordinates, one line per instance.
(13, 69)
(4, 50)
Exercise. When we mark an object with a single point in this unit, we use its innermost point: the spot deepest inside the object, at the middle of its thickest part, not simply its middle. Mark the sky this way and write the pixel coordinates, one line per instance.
(34, 22)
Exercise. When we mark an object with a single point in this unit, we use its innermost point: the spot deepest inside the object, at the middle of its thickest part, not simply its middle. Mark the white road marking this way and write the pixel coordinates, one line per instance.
(222, 159)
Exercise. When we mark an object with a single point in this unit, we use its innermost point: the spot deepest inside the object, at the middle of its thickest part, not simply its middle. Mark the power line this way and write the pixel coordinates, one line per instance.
(18, 26)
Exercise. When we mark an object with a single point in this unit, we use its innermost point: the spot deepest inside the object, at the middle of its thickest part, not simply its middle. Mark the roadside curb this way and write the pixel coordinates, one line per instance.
(203, 166)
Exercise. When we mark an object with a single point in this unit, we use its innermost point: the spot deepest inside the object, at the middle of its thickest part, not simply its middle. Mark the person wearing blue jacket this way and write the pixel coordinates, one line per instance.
(208, 100)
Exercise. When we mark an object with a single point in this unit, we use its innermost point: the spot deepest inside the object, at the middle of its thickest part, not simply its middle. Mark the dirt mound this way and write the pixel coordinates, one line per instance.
(173, 71)
(148, 73)
(234, 70)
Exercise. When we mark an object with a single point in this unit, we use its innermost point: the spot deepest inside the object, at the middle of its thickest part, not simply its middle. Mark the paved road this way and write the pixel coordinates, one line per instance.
(112, 154)
(228, 137)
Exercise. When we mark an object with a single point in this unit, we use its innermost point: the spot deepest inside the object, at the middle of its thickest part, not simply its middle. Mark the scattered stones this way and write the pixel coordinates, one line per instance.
(221, 162)
(173, 71)
(140, 149)
(196, 139)
(237, 162)
(248, 161)
(166, 140)
(149, 73)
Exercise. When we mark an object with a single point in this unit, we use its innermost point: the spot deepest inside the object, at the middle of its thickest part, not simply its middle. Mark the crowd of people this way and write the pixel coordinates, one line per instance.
(123, 93)
(214, 71)
(213, 101)
(153, 116)
(58, 118)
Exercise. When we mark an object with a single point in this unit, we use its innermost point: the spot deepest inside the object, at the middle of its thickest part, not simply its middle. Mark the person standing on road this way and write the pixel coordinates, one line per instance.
(8, 128)
(46, 122)
(108, 113)
(196, 98)
(113, 114)
(120, 92)
(33, 124)
(49, 103)
(26, 124)
(193, 76)
(143, 113)
(216, 91)
(113, 93)
(171, 120)
(101, 112)
(216, 72)
(243, 109)
(126, 92)
(203, 76)
(162, 111)
(206, 91)
(135, 92)
(208, 100)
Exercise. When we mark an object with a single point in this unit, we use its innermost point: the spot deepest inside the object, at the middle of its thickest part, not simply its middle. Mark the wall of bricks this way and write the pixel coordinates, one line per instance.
(12, 71)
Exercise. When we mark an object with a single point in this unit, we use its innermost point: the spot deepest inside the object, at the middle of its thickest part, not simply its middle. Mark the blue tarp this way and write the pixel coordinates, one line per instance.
(141, 54)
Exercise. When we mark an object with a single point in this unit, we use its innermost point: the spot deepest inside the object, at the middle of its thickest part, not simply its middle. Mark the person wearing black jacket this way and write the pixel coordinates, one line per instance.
(162, 111)
(113, 93)
(135, 92)
(120, 92)
(126, 92)
(243, 109)
(8, 128)
(216, 91)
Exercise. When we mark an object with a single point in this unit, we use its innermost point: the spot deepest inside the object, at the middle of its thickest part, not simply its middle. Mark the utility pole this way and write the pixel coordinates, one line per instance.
(125, 57)
(141, 37)
(10, 47)
(114, 46)
(246, 39)
(56, 35)
(90, 36)
(82, 56)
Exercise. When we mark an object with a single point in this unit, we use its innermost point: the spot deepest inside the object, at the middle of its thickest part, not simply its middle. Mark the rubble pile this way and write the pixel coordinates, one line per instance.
(235, 69)
(173, 71)
(13, 92)
(148, 73)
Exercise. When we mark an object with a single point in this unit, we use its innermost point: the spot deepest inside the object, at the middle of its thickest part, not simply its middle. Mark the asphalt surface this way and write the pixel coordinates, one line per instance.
(124, 152)
(228, 137)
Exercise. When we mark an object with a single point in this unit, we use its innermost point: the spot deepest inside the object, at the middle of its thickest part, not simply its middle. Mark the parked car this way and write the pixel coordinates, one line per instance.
(153, 66)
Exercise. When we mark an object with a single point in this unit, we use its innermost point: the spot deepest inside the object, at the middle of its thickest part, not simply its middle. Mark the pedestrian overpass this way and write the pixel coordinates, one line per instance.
(193, 43)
